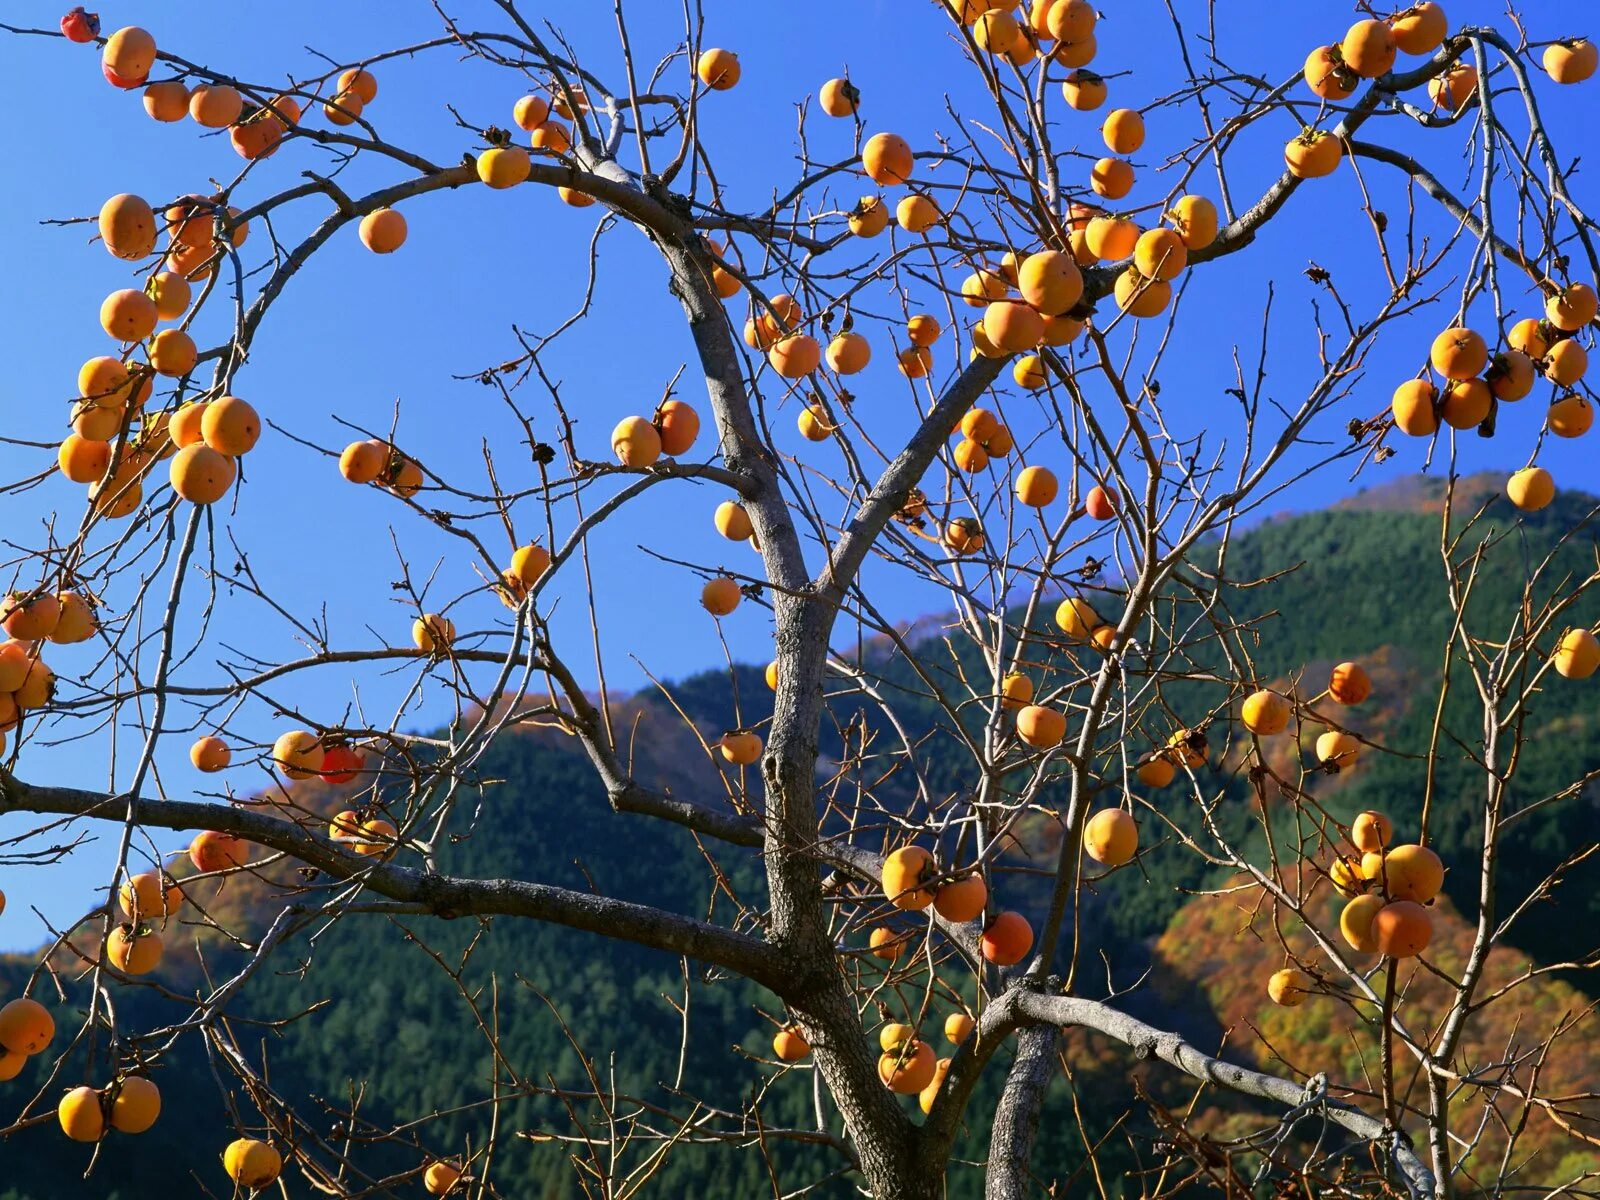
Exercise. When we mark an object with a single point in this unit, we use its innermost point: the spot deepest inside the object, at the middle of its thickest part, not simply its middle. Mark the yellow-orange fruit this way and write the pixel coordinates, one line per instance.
(1577, 654)
(128, 315)
(167, 101)
(1402, 929)
(849, 353)
(133, 953)
(678, 424)
(210, 753)
(1111, 178)
(344, 109)
(720, 596)
(1123, 130)
(1419, 29)
(551, 136)
(1510, 375)
(1313, 154)
(869, 218)
(732, 521)
(200, 474)
(170, 293)
(82, 460)
(1455, 88)
(1050, 281)
(1194, 218)
(982, 287)
(970, 457)
(504, 166)
(1011, 326)
(1371, 831)
(1041, 727)
(962, 900)
(127, 226)
(1006, 940)
(1111, 238)
(1188, 747)
(432, 633)
(1160, 254)
(1336, 748)
(1266, 713)
(996, 31)
(150, 896)
(136, 1106)
(908, 1070)
(383, 230)
(363, 462)
(741, 748)
(361, 82)
(1572, 61)
(1356, 922)
(80, 1114)
(30, 617)
(1413, 873)
(26, 1026)
(1459, 353)
(795, 356)
(129, 54)
(1346, 877)
(718, 69)
(1084, 90)
(1076, 618)
(839, 98)
(814, 424)
(251, 1163)
(1349, 683)
(1289, 987)
(885, 943)
(1061, 331)
(1571, 308)
(1016, 690)
(1070, 20)
(905, 872)
(1140, 296)
(1466, 403)
(1327, 76)
(1570, 417)
(298, 754)
(105, 381)
(636, 442)
(1111, 837)
(230, 426)
(173, 353)
(788, 1045)
(1531, 488)
(958, 1028)
(76, 622)
(1036, 486)
(917, 214)
(1414, 408)
(215, 106)
(1566, 363)
(531, 112)
(1530, 335)
(1156, 772)
(1369, 48)
(887, 159)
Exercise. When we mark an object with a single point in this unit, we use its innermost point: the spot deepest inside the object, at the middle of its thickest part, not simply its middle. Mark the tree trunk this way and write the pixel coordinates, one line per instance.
(1016, 1117)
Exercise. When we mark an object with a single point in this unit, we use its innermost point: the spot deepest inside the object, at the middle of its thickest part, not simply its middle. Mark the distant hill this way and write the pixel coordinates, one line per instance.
(1360, 580)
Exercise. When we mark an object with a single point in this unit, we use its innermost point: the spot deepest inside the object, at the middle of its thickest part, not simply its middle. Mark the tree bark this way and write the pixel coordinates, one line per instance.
(1016, 1117)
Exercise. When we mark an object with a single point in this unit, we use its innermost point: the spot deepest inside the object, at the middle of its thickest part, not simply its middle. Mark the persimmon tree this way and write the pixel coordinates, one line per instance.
(1027, 267)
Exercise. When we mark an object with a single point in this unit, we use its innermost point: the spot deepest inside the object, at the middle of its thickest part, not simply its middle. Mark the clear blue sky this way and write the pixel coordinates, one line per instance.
(356, 333)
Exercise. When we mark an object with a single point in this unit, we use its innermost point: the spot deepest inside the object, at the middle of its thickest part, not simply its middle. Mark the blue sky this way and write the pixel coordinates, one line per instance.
(355, 333)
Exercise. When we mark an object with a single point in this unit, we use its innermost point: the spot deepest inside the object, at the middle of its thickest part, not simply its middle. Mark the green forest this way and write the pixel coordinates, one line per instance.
(391, 1038)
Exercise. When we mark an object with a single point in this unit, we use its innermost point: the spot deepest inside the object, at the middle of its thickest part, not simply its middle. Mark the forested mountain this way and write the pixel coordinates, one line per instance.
(393, 1038)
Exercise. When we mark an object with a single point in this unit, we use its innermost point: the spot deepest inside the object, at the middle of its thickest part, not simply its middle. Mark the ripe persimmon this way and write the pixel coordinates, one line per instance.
(869, 217)
(215, 106)
(962, 900)
(839, 98)
(1041, 727)
(30, 616)
(1466, 403)
(1413, 873)
(133, 951)
(917, 213)
(1265, 713)
(210, 753)
(1356, 922)
(363, 462)
(1459, 353)
(1084, 90)
(1577, 654)
(383, 230)
(128, 315)
(1414, 407)
(789, 1045)
(1570, 416)
(1111, 178)
(1572, 307)
(1011, 326)
(1371, 831)
(887, 159)
(848, 353)
(1402, 929)
(1571, 61)
(76, 622)
(958, 1028)
(1007, 938)
(720, 596)
(251, 1163)
(1455, 88)
(1327, 75)
(432, 633)
(1420, 28)
(1313, 154)
(923, 329)
(298, 754)
(908, 1069)
(718, 69)
(128, 55)
(135, 1105)
(1531, 488)
(740, 747)
(81, 1116)
(551, 136)
(1140, 296)
(230, 426)
(1123, 130)
(26, 1026)
(1050, 282)
(82, 460)
(886, 944)
(504, 166)
(905, 873)
(1070, 20)
(795, 356)
(963, 536)
(1349, 683)
(1036, 486)
(1510, 375)
(150, 896)
(201, 475)
(213, 851)
(167, 101)
(636, 442)
(1369, 48)
(1111, 837)
(1289, 987)
(173, 353)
